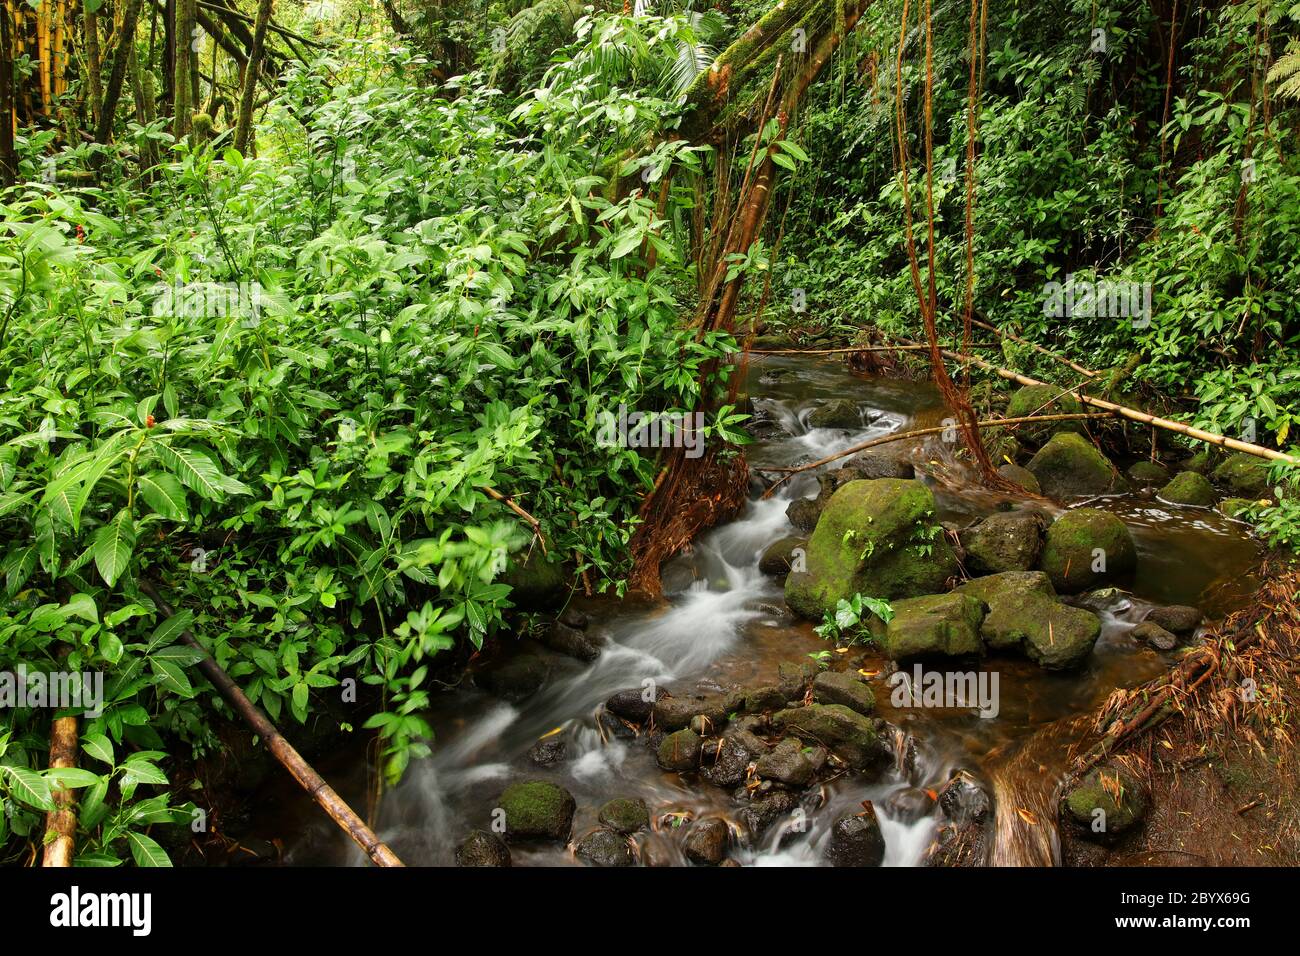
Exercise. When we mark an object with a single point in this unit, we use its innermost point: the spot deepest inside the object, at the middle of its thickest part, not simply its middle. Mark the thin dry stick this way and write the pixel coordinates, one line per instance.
(509, 503)
(1133, 414)
(311, 781)
(1037, 348)
(919, 433)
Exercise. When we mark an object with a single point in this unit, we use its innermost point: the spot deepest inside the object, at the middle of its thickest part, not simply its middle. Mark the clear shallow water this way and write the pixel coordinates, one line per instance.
(723, 623)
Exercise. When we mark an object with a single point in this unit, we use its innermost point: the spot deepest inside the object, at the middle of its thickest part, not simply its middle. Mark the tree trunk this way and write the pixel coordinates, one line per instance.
(244, 128)
(61, 822)
(94, 81)
(182, 55)
(8, 156)
(122, 55)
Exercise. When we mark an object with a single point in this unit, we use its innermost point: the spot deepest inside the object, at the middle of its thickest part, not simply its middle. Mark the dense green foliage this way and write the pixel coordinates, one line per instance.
(288, 389)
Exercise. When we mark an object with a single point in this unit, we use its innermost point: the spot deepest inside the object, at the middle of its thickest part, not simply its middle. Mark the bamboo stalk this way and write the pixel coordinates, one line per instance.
(510, 503)
(920, 433)
(62, 821)
(1133, 414)
(311, 781)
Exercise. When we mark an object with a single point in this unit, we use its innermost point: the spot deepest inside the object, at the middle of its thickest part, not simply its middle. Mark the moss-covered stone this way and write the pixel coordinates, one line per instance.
(1148, 472)
(1024, 615)
(680, 752)
(933, 626)
(836, 413)
(1087, 548)
(1043, 400)
(779, 556)
(1189, 488)
(1003, 542)
(838, 687)
(849, 735)
(1244, 475)
(1021, 476)
(1069, 465)
(1235, 507)
(602, 847)
(1202, 462)
(537, 810)
(1003, 448)
(1107, 802)
(876, 538)
(625, 815)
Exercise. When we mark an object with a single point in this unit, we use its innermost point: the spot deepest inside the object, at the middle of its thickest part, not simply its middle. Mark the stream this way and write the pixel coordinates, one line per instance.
(723, 623)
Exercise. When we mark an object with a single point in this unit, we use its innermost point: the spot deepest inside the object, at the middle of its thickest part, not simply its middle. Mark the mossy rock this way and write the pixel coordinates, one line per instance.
(1235, 507)
(537, 810)
(1003, 542)
(1043, 400)
(1147, 472)
(1189, 488)
(937, 625)
(625, 815)
(535, 583)
(779, 556)
(877, 538)
(602, 847)
(1024, 615)
(1244, 475)
(1087, 548)
(853, 738)
(836, 413)
(680, 752)
(1069, 465)
(1107, 802)
(839, 687)
(1202, 462)
(1003, 449)
(1022, 477)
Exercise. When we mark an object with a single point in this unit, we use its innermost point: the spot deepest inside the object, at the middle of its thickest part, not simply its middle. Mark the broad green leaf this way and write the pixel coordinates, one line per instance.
(113, 545)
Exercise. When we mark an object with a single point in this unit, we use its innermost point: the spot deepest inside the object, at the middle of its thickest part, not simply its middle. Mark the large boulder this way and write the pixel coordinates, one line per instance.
(674, 713)
(1107, 802)
(933, 626)
(856, 840)
(1024, 615)
(876, 538)
(537, 810)
(1043, 400)
(853, 738)
(870, 465)
(1069, 465)
(1004, 542)
(835, 687)
(1245, 476)
(570, 641)
(635, 704)
(1087, 548)
(1189, 488)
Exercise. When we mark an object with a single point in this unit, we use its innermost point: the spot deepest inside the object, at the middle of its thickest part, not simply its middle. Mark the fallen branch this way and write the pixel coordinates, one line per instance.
(311, 781)
(1133, 414)
(920, 433)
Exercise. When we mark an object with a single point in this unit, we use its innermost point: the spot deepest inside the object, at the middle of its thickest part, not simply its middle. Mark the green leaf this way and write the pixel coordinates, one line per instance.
(146, 851)
(171, 676)
(164, 495)
(170, 630)
(99, 747)
(28, 787)
(114, 543)
(73, 778)
(196, 471)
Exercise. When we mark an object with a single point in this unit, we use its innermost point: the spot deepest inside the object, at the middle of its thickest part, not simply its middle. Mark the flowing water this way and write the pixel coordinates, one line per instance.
(723, 623)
